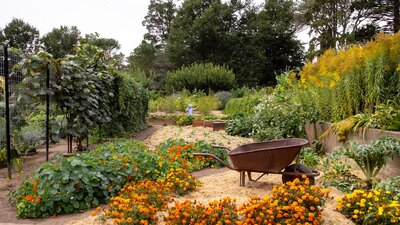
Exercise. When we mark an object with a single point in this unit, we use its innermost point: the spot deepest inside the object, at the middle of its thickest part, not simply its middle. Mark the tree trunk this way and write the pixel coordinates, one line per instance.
(396, 15)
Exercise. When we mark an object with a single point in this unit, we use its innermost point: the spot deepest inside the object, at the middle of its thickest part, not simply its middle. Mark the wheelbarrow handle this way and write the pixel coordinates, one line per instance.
(214, 157)
(218, 146)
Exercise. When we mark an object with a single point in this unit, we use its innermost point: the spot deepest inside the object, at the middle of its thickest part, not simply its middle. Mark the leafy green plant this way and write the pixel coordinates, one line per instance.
(370, 158)
(184, 120)
(309, 157)
(223, 97)
(78, 183)
(206, 77)
(245, 105)
(28, 138)
(392, 185)
(206, 104)
(275, 119)
(240, 125)
(337, 173)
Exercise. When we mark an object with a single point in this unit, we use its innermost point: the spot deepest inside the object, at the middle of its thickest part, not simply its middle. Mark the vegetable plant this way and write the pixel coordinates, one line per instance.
(370, 158)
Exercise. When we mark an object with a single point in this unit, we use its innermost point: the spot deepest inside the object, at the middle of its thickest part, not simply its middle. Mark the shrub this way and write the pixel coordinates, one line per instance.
(370, 207)
(223, 97)
(240, 125)
(205, 77)
(275, 119)
(243, 105)
(28, 138)
(206, 104)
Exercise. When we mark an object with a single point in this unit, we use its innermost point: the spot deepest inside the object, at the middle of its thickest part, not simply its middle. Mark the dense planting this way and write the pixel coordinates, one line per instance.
(291, 203)
(206, 77)
(82, 182)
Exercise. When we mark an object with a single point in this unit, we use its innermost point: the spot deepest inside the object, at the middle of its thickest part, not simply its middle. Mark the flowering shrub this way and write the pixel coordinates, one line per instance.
(291, 203)
(370, 207)
(221, 212)
(138, 202)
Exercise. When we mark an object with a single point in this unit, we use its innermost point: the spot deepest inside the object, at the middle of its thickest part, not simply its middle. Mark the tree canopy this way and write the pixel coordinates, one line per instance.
(61, 41)
(21, 35)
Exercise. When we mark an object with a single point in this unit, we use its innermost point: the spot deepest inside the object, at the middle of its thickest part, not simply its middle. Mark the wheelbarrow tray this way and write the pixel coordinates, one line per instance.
(266, 157)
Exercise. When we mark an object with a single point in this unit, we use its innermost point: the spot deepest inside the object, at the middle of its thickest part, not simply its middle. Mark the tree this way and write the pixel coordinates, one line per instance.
(337, 23)
(60, 41)
(256, 44)
(109, 45)
(158, 22)
(20, 34)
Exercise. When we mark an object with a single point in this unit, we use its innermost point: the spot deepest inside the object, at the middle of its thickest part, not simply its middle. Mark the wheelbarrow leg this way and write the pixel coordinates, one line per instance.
(249, 174)
(242, 178)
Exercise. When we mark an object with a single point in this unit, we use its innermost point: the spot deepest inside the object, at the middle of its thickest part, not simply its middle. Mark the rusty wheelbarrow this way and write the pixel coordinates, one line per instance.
(267, 157)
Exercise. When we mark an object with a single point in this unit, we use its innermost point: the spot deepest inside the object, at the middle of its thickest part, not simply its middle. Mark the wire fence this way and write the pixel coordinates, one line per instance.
(23, 127)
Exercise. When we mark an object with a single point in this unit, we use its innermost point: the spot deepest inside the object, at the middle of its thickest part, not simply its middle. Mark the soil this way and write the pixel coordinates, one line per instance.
(217, 183)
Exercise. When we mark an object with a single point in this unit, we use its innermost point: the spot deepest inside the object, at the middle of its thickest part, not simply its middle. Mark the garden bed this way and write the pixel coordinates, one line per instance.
(220, 183)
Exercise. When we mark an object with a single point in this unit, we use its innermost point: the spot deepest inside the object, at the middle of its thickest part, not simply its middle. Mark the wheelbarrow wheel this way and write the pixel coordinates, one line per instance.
(297, 171)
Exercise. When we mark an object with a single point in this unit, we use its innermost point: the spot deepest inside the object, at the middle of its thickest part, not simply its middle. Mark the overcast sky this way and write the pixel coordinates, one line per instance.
(118, 19)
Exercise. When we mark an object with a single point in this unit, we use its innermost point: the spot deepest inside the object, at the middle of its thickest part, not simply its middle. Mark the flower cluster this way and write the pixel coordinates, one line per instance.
(180, 181)
(292, 203)
(295, 202)
(221, 212)
(138, 202)
(370, 207)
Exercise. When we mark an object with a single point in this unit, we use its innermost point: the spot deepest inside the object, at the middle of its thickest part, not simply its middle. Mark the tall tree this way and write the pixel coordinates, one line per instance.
(254, 44)
(61, 41)
(107, 44)
(158, 21)
(20, 34)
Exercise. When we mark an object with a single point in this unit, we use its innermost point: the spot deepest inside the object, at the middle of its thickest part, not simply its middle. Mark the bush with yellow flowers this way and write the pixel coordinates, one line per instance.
(370, 207)
(295, 202)
(138, 202)
(221, 212)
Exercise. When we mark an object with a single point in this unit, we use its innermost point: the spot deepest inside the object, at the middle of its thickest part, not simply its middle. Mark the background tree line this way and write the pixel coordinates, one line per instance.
(255, 41)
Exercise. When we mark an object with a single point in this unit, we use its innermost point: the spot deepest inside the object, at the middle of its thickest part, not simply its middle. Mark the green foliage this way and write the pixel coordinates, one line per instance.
(370, 158)
(308, 156)
(392, 185)
(276, 119)
(351, 81)
(129, 108)
(240, 125)
(256, 43)
(244, 105)
(199, 76)
(28, 138)
(20, 35)
(81, 86)
(84, 181)
(60, 41)
(337, 172)
(179, 102)
(184, 120)
(223, 97)
(179, 155)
